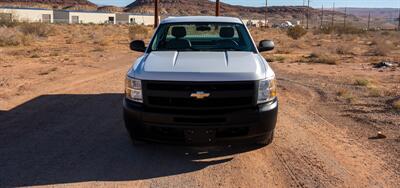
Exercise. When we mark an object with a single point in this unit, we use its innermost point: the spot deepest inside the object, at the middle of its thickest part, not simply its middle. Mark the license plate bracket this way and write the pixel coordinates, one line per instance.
(200, 136)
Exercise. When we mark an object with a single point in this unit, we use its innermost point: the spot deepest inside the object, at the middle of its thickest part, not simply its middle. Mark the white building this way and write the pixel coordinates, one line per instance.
(84, 17)
(27, 14)
(141, 19)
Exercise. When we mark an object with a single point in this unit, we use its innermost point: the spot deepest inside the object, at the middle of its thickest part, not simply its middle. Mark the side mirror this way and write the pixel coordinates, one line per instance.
(266, 45)
(138, 45)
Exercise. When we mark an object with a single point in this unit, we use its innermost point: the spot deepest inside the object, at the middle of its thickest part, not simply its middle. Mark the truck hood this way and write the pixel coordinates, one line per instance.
(200, 66)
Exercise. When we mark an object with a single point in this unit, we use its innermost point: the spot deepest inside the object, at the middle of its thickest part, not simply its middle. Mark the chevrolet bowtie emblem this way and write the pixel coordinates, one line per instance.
(200, 95)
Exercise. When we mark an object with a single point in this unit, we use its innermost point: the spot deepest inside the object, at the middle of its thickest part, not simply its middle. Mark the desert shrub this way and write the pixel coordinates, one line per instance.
(374, 91)
(275, 59)
(344, 50)
(99, 39)
(13, 37)
(396, 104)
(345, 94)
(136, 30)
(296, 32)
(324, 30)
(349, 30)
(362, 82)
(339, 29)
(322, 59)
(378, 49)
(7, 22)
(36, 29)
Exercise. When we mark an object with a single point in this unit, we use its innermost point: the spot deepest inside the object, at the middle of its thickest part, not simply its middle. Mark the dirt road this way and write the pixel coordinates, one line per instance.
(71, 132)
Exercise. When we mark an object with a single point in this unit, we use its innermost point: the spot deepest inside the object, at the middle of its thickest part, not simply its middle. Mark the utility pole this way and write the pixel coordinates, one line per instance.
(217, 8)
(308, 11)
(322, 16)
(333, 16)
(345, 17)
(399, 20)
(266, 13)
(156, 12)
(369, 20)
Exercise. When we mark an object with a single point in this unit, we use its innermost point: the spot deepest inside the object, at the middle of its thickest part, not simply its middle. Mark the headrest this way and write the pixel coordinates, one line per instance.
(178, 32)
(226, 32)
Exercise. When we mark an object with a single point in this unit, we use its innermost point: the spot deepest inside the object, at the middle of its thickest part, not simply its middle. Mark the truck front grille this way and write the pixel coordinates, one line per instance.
(177, 95)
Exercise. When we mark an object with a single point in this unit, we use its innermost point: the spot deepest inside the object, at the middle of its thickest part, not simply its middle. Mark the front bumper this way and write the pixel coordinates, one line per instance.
(200, 127)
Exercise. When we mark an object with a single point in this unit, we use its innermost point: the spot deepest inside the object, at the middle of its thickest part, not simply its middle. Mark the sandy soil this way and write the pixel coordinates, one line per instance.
(61, 124)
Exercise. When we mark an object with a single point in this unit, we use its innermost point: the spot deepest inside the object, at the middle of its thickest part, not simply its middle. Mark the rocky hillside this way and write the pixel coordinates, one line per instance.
(59, 4)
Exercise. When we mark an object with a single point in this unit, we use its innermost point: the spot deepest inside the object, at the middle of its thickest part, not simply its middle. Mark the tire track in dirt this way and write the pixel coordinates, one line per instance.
(355, 164)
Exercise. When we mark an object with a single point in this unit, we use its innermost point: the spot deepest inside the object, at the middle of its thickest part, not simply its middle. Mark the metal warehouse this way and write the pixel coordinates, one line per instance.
(85, 17)
(27, 14)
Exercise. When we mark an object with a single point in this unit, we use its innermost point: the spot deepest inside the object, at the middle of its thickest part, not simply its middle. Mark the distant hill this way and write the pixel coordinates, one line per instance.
(276, 14)
(385, 13)
(380, 17)
(56, 4)
(206, 7)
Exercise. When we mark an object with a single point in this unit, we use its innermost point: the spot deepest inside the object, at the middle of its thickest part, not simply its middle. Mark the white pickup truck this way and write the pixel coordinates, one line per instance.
(201, 81)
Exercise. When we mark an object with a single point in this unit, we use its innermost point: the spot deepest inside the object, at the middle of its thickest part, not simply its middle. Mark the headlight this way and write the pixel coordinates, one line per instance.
(266, 90)
(133, 90)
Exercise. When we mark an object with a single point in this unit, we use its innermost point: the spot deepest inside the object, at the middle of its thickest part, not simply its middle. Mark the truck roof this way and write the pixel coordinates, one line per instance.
(182, 19)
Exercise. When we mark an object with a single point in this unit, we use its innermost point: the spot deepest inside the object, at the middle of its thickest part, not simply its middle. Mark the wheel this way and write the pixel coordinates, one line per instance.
(265, 141)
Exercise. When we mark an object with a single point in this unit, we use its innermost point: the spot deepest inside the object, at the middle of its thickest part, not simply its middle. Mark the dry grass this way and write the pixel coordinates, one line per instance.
(36, 29)
(322, 58)
(99, 39)
(396, 104)
(13, 37)
(138, 31)
(296, 32)
(362, 82)
(374, 91)
(345, 50)
(345, 94)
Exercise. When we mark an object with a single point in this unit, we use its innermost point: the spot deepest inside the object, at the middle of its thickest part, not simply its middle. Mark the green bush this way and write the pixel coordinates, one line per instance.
(296, 32)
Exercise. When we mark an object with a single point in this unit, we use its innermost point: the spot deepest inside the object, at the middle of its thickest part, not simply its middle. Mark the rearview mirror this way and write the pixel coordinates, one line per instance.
(266, 45)
(138, 45)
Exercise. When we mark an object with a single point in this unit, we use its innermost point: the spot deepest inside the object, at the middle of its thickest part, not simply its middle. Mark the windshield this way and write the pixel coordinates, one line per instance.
(202, 37)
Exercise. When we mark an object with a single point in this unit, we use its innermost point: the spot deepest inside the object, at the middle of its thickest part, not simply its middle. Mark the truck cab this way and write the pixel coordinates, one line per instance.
(201, 81)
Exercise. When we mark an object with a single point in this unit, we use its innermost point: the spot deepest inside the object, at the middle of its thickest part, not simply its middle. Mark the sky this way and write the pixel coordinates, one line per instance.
(314, 3)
